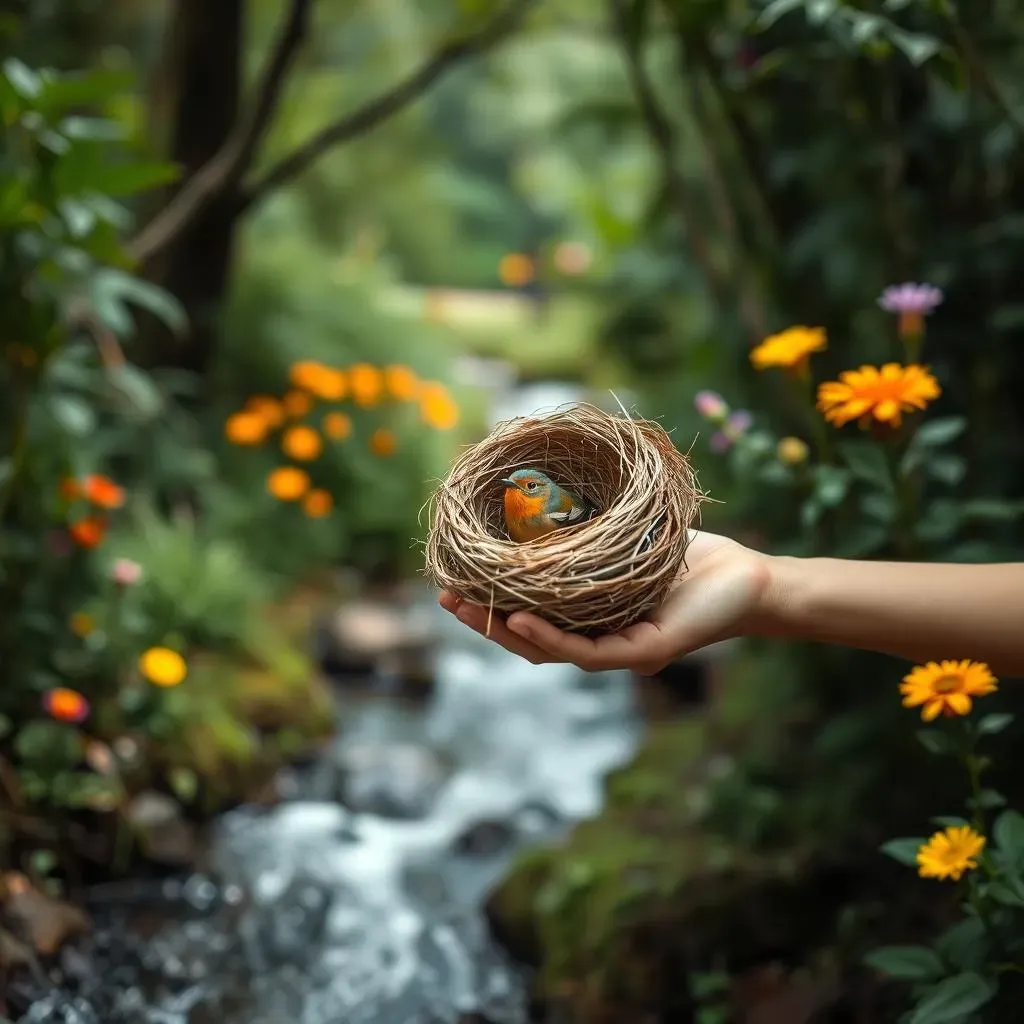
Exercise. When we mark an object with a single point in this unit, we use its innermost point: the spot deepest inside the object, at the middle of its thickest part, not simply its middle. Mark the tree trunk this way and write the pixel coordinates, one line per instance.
(200, 93)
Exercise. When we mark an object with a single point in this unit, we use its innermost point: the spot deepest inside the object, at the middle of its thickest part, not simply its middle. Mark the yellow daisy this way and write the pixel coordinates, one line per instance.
(790, 349)
(949, 853)
(946, 688)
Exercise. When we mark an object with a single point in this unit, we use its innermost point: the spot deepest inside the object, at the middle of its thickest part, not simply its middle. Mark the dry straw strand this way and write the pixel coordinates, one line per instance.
(596, 577)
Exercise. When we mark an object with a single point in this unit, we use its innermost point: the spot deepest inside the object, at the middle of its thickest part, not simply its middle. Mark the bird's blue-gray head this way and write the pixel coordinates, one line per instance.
(532, 483)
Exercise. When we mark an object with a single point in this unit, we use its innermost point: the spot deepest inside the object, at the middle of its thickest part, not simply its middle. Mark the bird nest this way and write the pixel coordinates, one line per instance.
(599, 576)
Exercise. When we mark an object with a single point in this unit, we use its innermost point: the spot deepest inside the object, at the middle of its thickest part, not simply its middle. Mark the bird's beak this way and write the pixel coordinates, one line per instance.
(508, 483)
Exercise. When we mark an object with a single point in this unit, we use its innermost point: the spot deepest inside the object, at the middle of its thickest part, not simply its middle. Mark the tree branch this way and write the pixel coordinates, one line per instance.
(377, 110)
(231, 162)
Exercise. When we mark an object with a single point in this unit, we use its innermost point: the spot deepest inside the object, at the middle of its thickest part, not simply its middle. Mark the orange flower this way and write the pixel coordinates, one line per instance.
(269, 409)
(103, 492)
(246, 428)
(438, 408)
(65, 705)
(946, 688)
(288, 483)
(322, 381)
(88, 533)
(297, 404)
(880, 394)
(317, 504)
(337, 426)
(401, 382)
(81, 624)
(789, 349)
(366, 384)
(383, 442)
(301, 443)
(515, 270)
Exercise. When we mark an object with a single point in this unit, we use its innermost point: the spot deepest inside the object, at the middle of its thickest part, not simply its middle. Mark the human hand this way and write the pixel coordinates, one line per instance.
(721, 596)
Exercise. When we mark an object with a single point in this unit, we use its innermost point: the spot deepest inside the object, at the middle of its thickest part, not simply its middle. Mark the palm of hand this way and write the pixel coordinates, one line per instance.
(717, 598)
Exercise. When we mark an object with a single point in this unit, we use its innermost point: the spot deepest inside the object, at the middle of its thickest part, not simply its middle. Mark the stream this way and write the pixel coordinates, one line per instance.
(358, 899)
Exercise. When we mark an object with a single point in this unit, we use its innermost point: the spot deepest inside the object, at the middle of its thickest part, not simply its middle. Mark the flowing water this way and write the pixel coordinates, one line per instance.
(317, 913)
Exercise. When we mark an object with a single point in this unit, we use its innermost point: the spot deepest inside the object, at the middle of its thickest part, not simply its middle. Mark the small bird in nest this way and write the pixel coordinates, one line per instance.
(536, 506)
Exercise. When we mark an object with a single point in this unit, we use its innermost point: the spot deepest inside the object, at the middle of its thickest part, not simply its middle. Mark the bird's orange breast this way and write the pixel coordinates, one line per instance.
(519, 505)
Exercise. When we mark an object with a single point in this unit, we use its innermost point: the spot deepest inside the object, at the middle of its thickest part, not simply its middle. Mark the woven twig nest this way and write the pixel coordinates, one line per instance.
(599, 576)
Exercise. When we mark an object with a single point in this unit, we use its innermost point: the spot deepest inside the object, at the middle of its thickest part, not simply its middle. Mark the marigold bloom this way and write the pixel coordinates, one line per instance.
(792, 451)
(246, 428)
(946, 687)
(881, 394)
(383, 442)
(317, 504)
(437, 407)
(515, 269)
(365, 381)
(913, 302)
(949, 853)
(337, 426)
(65, 705)
(103, 492)
(324, 382)
(163, 667)
(81, 624)
(401, 383)
(88, 533)
(790, 349)
(269, 409)
(301, 443)
(297, 403)
(288, 483)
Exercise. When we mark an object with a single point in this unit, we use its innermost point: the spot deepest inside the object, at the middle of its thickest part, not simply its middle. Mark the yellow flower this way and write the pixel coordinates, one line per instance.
(515, 269)
(881, 394)
(438, 408)
(246, 428)
(337, 426)
(162, 666)
(946, 688)
(297, 404)
(366, 384)
(949, 853)
(790, 349)
(401, 382)
(383, 442)
(301, 443)
(792, 451)
(317, 504)
(81, 624)
(320, 380)
(288, 483)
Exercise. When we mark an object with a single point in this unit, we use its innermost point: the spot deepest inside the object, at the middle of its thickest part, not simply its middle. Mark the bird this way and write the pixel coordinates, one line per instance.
(536, 506)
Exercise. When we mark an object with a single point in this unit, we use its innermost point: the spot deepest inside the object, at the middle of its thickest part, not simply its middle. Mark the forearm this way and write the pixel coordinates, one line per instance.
(917, 611)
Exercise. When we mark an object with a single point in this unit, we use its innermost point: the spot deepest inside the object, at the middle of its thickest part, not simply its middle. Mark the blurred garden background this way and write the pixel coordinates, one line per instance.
(266, 266)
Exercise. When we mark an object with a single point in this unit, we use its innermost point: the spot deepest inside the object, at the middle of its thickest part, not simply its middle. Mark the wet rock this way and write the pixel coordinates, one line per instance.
(535, 818)
(163, 833)
(486, 838)
(38, 920)
(369, 639)
(396, 780)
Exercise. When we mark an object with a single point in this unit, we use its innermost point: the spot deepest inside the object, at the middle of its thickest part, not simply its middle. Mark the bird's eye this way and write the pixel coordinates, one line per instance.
(532, 485)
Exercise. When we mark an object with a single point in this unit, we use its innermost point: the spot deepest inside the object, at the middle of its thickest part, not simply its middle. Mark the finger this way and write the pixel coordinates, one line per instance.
(476, 618)
(448, 601)
(616, 650)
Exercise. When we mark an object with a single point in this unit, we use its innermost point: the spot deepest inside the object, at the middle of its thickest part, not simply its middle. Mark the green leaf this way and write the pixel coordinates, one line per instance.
(867, 461)
(111, 288)
(916, 48)
(831, 485)
(775, 10)
(6, 725)
(934, 433)
(903, 850)
(42, 862)
(1006, 894)
(52, 742)
(92, 129)
(950, 821)
(964, 945)
(73, 414)
(912, 963)
(184, 782)
(948, 469)
(936, 741)
(952, 999)
(129, 179)
(139, 389)
(25, 82)
(995, 722)
(989, 799)
(1008, 833)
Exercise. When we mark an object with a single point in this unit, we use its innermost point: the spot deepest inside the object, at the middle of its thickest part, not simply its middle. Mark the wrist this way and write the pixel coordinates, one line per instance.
(778, 612)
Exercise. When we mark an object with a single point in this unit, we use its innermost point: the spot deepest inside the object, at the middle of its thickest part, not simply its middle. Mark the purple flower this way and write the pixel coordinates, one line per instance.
(910, 298)
(711, 405)
(720, 442)
(125, 572)
(737, 424)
